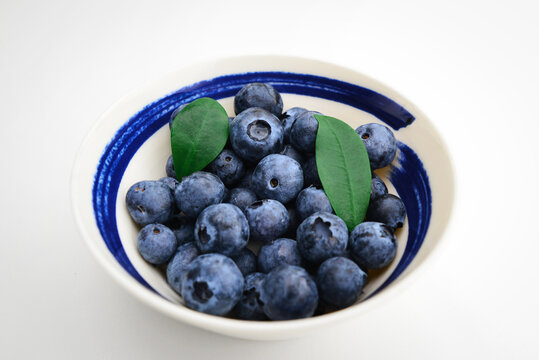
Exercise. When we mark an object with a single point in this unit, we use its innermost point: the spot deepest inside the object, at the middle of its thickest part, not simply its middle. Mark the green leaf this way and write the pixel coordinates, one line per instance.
(199, 133)
(344, 169)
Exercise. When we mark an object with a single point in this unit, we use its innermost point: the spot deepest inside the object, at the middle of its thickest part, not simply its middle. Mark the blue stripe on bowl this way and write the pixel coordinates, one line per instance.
(144, 124)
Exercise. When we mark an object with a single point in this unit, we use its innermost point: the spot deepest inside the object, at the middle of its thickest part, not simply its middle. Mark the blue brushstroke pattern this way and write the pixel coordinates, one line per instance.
(151, 118)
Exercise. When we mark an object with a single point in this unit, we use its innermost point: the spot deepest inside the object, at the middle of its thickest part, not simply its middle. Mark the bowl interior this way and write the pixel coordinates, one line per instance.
(138, 145)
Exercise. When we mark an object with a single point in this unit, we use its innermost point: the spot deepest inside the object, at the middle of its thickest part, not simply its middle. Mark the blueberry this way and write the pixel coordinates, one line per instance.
(340, 281)
(322, 236)
(258, 95)
(156, 243)
(277, 177)
(223, 229)
(184, 255)
(256, 133)
(183, 227)
(197, 191)
(372, 245)
(169, 168)
(310, 173)
(246, 261)
(278, 252)
(250, 306)
(174, 113)
(247, 180)
(268, 219)
(310, 201)
(293, 222)
(288, 119)
(149, 202)
(380, 143)
(303, 132)
(288, 292)
(241, 197)
(289, 151)
(212, 284)
(378, 188)
(388, 209)
(170, 182)
(228, 167)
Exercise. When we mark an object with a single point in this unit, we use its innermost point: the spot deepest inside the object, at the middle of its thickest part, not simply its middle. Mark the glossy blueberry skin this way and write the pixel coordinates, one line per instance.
(256, 133)
(277, 177)
(268, 220)
(149, 202)
(174, 113)
(288, 119)
(246, 261)
(388, 209)
(303, 132)
(170, 182)
(223, 229)
(372, 245)
(378, 187)
(289, 151)
(228, 167)
(241, 197)
(310, 173)
(311, 200)
(184, 255)
(340, 281)
(156, 243)
(183, 227)
(288, 292)
(212, 284)
(322, 236)
(258, 95)
(250, 306)
(169, 168)
(278, 252)
(198, 191)
(380, 143)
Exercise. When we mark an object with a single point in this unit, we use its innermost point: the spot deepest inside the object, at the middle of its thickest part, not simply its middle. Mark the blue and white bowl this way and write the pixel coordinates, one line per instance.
(131, 142)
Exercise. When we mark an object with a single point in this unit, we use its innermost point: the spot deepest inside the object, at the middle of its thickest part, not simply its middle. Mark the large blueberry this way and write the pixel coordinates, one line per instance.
(288, 119)
(388, 209)
(310, 173)
(258, 95)
(174, 113)
(223, 229)
(288, 292)
(372, 245)
(212, 284)
(278, 252)
(268, 220)
(250, 306)
(169, 168)
(228, 167)
(184, 255)
(183, 227)
(380, 143)
(310, 201)
(197, 191)
(156, 243)
(241, 197)
(340, 281)
(303, 132)
(289, 151)
(322, 236)
(256, 133)
(278, 177)
(149, 202)
(246, 261)
(378, 188)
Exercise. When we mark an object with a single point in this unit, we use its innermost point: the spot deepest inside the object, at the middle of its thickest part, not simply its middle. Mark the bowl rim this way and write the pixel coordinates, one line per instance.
(261, 330)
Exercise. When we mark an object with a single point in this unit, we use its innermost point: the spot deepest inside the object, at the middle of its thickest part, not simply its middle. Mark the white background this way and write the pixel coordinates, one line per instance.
(471, 66)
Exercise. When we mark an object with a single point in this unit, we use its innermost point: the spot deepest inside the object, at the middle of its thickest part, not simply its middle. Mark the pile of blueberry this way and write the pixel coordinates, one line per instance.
(263, 189)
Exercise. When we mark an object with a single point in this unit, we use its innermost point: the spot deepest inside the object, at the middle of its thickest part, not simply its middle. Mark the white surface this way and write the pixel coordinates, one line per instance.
(471, 66)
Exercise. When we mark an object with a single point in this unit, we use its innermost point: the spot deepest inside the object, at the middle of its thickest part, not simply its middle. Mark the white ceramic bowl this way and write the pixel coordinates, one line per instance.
(131, 142)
